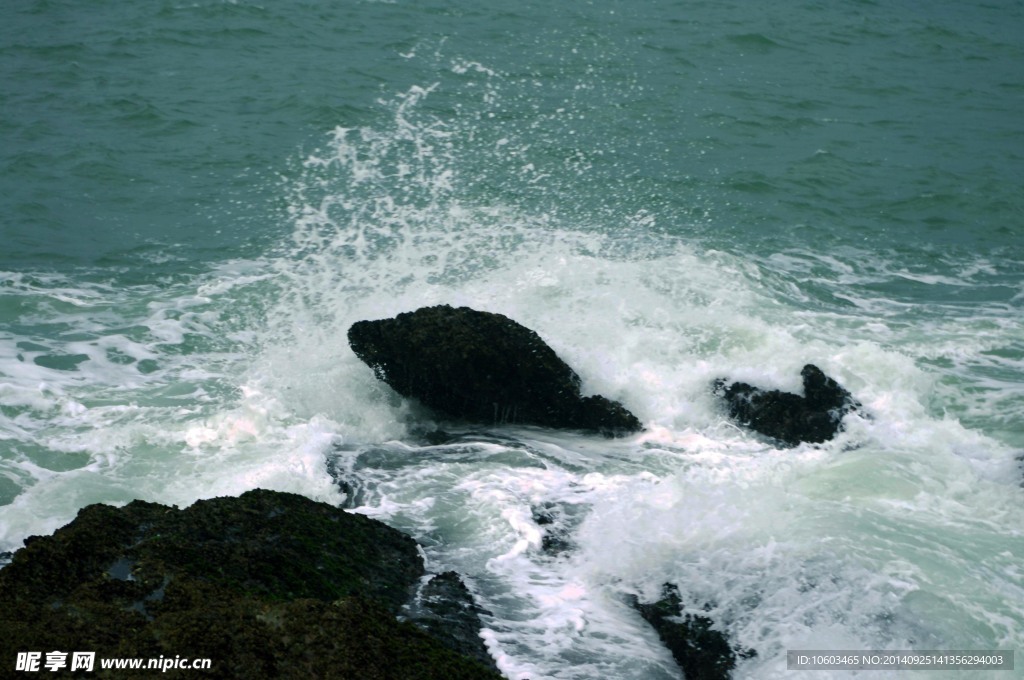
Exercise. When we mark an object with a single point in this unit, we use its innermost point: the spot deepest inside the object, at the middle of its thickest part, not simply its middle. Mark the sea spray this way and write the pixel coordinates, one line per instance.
(480, 187)
(809, 547)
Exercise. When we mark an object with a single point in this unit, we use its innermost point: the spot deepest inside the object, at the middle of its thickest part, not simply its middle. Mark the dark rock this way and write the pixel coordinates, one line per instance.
(438, 438)
(266, 585)
(352, 489)
(558, 522)
(815, 417)
(702, 652)
(482, 367)
(447, 610)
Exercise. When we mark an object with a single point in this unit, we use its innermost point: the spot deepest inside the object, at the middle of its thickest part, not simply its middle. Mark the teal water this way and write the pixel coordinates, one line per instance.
(197, 200)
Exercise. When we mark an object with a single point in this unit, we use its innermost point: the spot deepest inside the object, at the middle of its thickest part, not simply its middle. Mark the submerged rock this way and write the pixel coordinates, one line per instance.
(558, 522)
(815, 417)
(482, 367)
(265, 585)
(702, 652)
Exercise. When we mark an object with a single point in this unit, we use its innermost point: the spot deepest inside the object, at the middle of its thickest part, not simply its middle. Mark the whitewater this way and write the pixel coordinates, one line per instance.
(210, 378)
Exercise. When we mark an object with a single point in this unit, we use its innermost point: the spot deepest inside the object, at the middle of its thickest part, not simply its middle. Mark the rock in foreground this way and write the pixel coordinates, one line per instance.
(482, 367)
(815, 417)
(701, 651)
(446, 609)
(264, 585)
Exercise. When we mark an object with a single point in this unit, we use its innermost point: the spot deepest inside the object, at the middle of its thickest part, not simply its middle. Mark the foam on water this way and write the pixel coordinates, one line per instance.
(903, 532)
(115, 393)
(869, 541)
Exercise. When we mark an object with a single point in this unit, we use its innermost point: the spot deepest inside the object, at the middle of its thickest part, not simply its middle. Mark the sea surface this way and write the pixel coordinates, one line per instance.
(197, 199)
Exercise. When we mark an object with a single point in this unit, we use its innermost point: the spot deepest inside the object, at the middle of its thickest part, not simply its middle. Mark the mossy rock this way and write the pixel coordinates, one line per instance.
(268, 584)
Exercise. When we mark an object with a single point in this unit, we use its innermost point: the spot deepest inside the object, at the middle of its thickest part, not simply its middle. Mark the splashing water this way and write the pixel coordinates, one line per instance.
(901, 533)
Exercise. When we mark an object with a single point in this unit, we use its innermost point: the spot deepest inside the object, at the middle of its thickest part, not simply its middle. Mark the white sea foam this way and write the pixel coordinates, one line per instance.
(853, 544)
(242, 378)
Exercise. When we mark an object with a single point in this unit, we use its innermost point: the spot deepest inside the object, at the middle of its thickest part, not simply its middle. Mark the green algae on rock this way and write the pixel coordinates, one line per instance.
(268, 584)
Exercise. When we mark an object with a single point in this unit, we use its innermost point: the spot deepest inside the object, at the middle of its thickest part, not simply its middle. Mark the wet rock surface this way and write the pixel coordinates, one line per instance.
(702, 652)
(558, 522)
(446, 609)
(815, 417)
(268, 584)
(482, 367)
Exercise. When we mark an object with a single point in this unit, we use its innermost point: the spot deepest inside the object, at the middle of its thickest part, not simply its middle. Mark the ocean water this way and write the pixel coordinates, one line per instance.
(198, 198)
